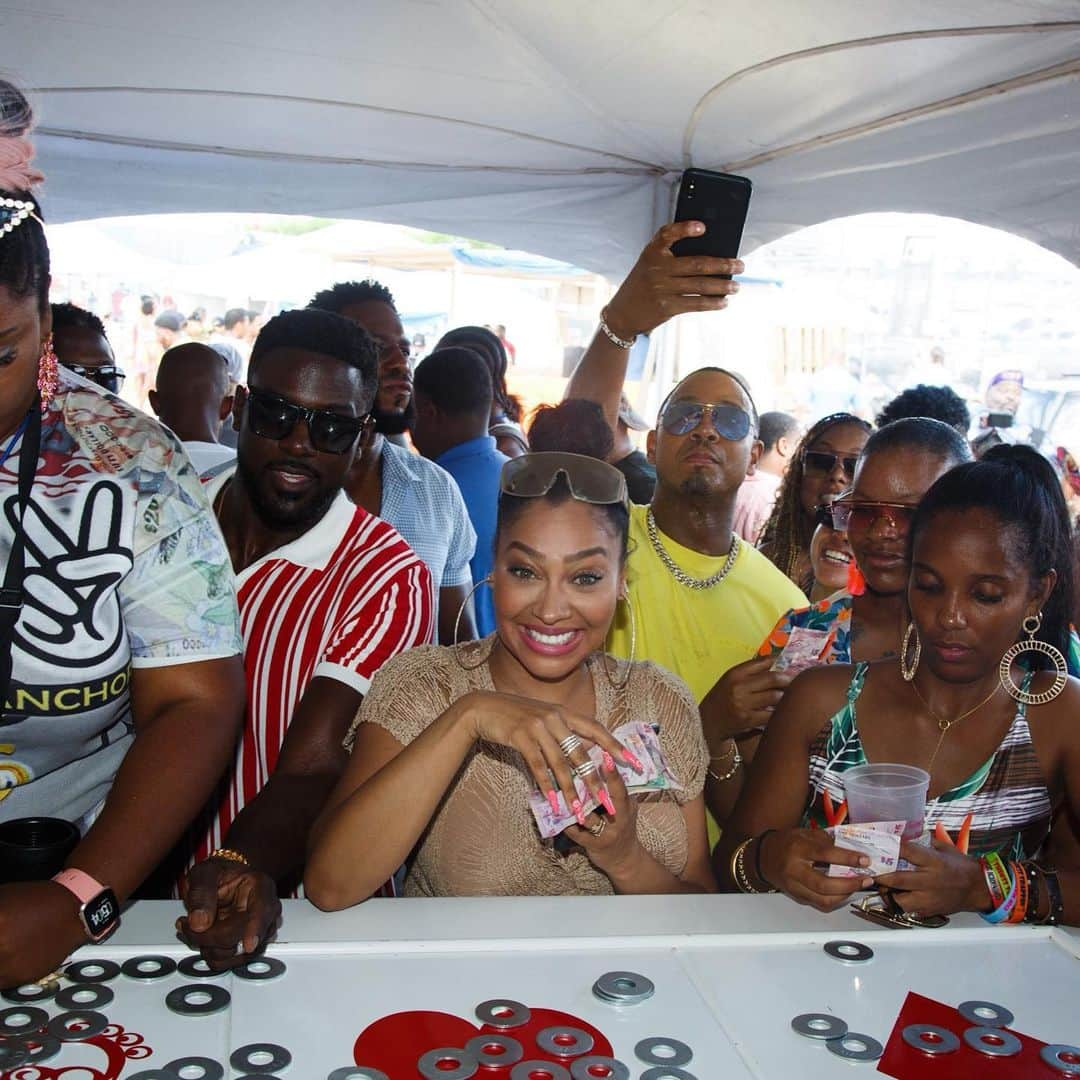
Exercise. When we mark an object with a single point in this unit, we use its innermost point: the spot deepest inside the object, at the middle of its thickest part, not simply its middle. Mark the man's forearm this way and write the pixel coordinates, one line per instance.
(599, 376)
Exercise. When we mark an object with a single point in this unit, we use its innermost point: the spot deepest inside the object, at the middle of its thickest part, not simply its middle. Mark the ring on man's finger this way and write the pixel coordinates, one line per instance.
(596, 830)
(571, 743)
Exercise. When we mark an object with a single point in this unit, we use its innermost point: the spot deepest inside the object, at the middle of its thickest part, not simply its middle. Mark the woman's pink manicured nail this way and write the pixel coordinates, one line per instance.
(609, 762)
(576, 807)
(605, 799)
(553, 802)
(631, 760)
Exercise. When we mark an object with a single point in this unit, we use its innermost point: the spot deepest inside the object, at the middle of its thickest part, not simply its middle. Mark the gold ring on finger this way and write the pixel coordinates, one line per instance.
(596, 830)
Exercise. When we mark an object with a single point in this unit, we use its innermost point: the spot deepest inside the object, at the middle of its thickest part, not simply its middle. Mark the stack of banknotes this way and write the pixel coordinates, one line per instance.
(655, 775)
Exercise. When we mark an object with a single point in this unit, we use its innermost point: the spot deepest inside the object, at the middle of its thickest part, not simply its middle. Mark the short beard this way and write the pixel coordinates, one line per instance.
(393, 423)
(304, 516)
(696, 486)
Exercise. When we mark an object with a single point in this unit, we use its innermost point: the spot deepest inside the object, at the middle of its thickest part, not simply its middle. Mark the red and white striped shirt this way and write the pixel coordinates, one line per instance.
(337, 602)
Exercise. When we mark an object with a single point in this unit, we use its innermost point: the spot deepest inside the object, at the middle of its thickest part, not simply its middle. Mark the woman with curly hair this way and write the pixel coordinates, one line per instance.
(824, 466)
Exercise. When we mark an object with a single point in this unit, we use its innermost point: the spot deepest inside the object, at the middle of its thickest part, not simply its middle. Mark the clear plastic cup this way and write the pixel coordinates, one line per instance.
(885, 792)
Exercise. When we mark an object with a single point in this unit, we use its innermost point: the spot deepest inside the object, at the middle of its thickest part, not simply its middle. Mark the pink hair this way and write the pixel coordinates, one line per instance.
(16, 171)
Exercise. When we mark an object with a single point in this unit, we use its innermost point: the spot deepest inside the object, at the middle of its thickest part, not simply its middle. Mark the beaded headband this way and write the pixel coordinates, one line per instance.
(13, 212)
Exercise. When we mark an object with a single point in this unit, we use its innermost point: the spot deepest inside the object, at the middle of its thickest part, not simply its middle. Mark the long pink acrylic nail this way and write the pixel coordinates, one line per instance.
(631, 760)
(576, 807)
(605, 799)
(609, 762)
(553, 802)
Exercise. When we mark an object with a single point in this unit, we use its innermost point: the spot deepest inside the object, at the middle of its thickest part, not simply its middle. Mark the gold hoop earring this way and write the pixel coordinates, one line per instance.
(633, 649)
(908, 673)
(457, 625)
(1031, 626)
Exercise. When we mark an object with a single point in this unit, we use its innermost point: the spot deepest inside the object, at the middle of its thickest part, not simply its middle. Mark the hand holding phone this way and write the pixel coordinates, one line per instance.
(720, 201)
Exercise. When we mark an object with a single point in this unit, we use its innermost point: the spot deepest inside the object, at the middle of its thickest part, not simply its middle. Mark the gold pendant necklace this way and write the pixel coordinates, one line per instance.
(944, 724)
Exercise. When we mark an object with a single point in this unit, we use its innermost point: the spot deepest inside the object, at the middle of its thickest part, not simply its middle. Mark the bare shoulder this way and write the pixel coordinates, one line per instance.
(1057, 718)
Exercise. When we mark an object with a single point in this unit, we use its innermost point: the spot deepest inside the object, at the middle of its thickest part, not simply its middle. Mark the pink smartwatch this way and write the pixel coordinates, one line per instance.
(98, 910)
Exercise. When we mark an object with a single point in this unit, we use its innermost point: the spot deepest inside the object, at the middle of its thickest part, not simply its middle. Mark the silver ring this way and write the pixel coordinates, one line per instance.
(868, 1049)
(993, 1042)
(941, 1040)
(586, 768)
(1054, 1056)
(819, 1026)
(985, 1014)
(571, 743)
(564, 1041)
(681, 1054)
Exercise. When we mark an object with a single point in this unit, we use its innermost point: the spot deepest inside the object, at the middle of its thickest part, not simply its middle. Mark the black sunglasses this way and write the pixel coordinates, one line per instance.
(728, 421)
(821, 461)
(107, 376)
(274, 417)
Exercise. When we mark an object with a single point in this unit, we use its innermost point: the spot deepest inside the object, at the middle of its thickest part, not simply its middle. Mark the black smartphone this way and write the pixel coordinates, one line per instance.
(720, 201)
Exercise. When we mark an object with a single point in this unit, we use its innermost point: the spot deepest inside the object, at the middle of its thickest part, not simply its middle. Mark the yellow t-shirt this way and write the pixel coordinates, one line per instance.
(698, 633)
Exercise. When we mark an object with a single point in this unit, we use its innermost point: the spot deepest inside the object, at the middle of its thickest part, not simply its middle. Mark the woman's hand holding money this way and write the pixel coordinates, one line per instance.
(610, 839)
(787, 861)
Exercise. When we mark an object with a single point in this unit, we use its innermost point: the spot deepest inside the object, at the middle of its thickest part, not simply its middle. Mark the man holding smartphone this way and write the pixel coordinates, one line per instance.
(700, 600)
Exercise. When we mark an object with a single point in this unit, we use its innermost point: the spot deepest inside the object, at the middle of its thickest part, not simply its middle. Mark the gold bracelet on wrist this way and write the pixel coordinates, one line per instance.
(738, 869)
(721, 777)
(229, 855)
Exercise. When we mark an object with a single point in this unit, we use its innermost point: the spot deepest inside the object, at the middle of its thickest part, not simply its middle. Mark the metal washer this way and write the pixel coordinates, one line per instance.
(549, 1038)
(47, 1047)
(992, 1041)
(667, 1072)
(134, 968)
(512, 1053)
(819, 1026)
(35, 1020)
(177, 1000)
(240, 1059)
(74, 997)
(1053, 1055)
(58, 1027)
(92, 971)
(357, 1072)
(260, 969)
(30, 992)
(646, 1051)
(522, 1070)
(430, 1068)
(947, 1041)
(623, 988)
(849, 952)
(871, 1048)
(579, 1070)
(195, 967)
(503, 1013)
(152, 1074)
(211, 1069)
(970, 1011)
(12, 1055)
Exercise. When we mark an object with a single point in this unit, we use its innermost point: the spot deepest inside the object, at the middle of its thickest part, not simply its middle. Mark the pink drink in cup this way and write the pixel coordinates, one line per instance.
(885, 792)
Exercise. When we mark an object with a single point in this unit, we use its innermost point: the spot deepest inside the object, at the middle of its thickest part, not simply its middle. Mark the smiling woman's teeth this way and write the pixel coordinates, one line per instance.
(837, 556)
(551, 639)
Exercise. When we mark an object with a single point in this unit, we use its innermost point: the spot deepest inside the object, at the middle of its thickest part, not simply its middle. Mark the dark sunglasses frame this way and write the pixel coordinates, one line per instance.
(842, 511)
(718, 411)
(316, 420)
(590, 480)
(100, 374)
(827, 462)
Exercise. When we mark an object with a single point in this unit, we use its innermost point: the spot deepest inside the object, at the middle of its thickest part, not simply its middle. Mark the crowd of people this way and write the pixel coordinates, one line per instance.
(341, 657)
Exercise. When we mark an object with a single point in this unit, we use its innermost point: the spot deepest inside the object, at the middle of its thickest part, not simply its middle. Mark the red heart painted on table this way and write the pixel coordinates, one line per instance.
(395, 1043)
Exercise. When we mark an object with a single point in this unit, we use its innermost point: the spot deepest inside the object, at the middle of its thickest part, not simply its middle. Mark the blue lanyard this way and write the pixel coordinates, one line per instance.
(13, 440)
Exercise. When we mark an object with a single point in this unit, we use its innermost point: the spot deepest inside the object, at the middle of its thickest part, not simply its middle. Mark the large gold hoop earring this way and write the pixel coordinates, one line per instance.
(633, 649)
(457, 626)
(908, 673)
(1031, 626)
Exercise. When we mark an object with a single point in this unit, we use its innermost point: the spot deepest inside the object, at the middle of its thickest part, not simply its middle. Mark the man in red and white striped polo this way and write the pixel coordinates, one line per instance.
(327, 594)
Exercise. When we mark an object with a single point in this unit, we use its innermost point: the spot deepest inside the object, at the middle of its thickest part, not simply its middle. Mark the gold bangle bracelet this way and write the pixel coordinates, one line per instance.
(229, 855)
(738, 870)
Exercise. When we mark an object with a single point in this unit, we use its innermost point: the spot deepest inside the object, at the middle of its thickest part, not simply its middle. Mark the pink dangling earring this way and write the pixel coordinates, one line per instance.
(48, 377)
(856, 583)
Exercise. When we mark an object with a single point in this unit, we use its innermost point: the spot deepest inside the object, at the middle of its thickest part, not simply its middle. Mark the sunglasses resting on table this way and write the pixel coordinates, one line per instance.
(728, 421)
(274, 417)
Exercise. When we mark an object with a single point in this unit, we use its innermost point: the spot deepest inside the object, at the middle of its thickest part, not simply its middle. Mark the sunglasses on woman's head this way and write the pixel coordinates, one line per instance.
(728, 421)
(274, 417)
(589, 479)
(107, 376)
(851, 515)
(824, 463)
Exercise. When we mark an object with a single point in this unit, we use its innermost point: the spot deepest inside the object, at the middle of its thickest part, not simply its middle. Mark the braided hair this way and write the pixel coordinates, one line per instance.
(788, 531)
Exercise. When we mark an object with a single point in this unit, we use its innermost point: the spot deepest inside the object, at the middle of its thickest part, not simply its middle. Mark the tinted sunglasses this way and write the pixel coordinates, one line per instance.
(854, 516)
(822, 462)
(728, 421)
(273, 417)
(107, 376)
(589, 479)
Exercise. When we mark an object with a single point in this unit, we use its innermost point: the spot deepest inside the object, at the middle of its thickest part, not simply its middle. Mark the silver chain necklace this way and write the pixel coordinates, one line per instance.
(680, 575)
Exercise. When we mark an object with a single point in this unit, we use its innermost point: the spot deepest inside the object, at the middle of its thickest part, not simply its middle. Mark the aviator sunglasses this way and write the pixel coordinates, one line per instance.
(728, 421)
(107, 376)
(274, 417)
(589, 479)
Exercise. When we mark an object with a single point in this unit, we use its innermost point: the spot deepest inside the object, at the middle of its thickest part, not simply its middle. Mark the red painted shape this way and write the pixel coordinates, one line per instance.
(395, 1043)
(907, 1063)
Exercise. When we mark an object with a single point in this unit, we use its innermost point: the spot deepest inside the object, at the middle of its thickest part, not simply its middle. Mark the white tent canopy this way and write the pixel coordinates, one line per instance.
(558, 127)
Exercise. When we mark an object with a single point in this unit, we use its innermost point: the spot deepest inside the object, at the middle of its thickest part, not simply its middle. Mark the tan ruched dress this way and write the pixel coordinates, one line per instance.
(483, 839)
